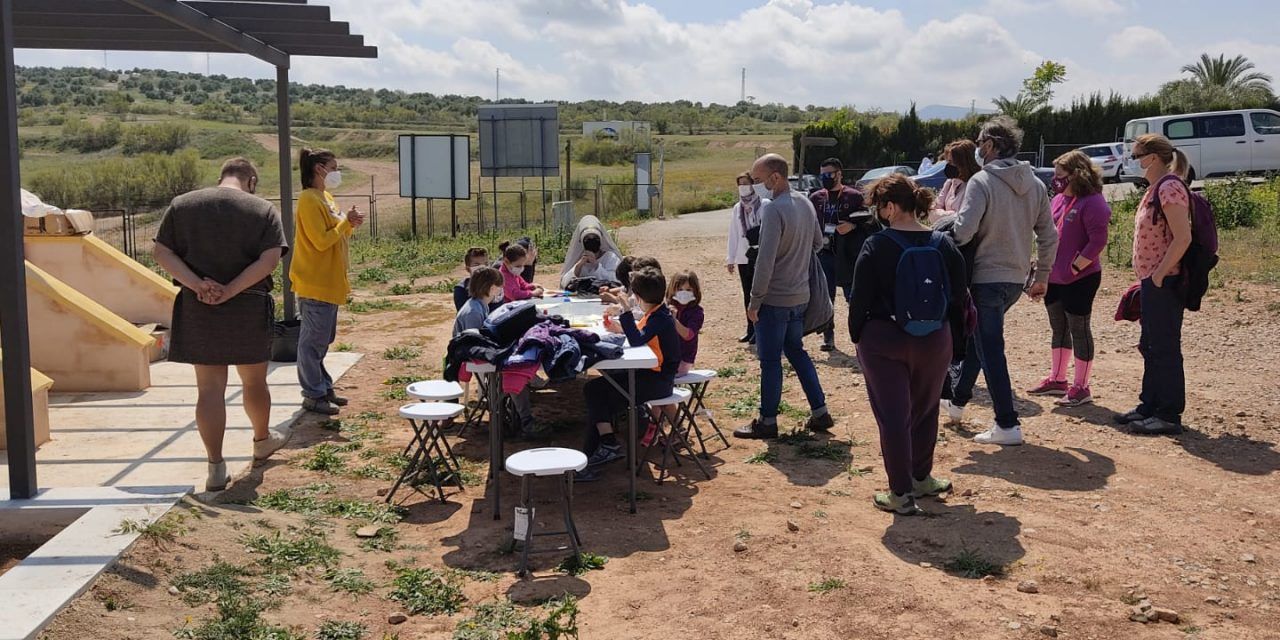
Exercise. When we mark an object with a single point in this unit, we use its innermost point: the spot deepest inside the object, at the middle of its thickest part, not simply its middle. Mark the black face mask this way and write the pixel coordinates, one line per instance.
(828, 183)
(591, 243)
(951, 171)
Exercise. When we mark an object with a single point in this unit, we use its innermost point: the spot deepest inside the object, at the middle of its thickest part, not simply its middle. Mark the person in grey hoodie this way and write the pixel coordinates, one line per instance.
(1005, 206)
(789, 238)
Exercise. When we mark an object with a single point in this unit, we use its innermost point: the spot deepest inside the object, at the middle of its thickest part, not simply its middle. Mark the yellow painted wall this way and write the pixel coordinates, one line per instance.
(105, 275)
(81, 344)
(40, 384)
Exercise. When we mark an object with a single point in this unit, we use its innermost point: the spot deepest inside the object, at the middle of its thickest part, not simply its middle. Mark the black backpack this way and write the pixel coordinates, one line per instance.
(922, 292)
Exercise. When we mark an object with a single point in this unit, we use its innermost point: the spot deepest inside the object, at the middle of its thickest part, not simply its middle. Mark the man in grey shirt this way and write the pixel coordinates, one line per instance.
(789, 237)
(1005, 206)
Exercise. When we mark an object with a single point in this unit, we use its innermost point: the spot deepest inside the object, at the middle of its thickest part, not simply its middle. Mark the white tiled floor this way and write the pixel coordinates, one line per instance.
(149, 437)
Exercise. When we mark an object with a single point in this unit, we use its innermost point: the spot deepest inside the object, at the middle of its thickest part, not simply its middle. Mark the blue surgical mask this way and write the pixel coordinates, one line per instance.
(762, 191)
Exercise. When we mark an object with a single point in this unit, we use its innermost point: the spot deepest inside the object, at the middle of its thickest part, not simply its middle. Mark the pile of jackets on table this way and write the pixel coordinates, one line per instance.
(519, 340)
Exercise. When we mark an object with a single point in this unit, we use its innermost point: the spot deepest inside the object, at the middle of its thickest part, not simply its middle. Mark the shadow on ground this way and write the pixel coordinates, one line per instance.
(957, 539)
(1043, 468)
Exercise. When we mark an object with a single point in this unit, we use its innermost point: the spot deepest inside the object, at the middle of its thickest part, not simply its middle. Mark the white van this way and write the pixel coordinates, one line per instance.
(1217, 143)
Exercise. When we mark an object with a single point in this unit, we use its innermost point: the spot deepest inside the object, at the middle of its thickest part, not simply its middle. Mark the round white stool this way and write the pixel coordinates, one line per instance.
(434, 391)
(428, 450)
(542, 462)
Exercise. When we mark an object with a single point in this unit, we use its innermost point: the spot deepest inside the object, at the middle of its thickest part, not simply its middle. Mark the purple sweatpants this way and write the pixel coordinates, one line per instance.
(904, 375)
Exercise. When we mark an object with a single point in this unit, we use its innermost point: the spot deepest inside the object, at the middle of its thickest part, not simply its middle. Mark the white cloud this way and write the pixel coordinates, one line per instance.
(1139, 42)
(1091, 8)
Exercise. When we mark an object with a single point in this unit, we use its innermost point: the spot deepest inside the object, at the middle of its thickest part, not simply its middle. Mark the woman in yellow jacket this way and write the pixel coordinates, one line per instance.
(319, 274)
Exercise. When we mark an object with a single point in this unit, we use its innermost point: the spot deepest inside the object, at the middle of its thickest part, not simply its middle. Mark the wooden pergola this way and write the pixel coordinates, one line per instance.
(273, 31)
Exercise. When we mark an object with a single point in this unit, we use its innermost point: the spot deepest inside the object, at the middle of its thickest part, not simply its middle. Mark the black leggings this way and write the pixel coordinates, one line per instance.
(1070, 308)
(747, 273)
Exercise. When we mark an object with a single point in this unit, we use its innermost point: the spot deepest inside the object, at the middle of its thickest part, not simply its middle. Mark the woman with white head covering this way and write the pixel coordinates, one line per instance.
(591, 253)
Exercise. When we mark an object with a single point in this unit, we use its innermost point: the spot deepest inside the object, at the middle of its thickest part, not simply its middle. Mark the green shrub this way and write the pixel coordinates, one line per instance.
(164, 137)
(118, 183)
(1233, 203)
(83, 136)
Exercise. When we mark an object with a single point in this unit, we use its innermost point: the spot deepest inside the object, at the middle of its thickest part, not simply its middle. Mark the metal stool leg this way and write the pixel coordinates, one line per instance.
(683, 436)
(566, 500)
(528, 533)
(415, 461)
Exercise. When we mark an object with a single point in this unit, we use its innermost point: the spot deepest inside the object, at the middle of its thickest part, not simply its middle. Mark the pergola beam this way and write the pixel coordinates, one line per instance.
(15, 341)
(189, 16)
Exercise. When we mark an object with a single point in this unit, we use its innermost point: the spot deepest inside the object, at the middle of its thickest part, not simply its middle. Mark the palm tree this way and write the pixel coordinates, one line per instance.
(1235, 75)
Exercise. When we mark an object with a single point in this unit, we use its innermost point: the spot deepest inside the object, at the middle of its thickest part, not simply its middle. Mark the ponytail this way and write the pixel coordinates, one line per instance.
(904, 192)
(924, 202)
(1181, 166)
(308, 160)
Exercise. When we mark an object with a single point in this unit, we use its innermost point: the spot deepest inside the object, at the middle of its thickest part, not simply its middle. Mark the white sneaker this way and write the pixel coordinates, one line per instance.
(262, 449)
(995, 435)
(218, 478)
(955, 412)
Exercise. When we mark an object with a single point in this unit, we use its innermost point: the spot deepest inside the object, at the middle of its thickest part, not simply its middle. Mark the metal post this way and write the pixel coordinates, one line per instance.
(544, 202)
(283, 130)
(15, 340)
(413, 187)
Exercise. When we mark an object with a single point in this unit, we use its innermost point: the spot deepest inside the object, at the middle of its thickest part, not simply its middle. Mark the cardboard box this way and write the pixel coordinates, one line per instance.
(160, 334)
(73, 222)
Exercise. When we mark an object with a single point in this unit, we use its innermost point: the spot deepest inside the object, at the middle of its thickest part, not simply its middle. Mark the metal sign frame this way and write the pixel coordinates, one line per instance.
(458, 148)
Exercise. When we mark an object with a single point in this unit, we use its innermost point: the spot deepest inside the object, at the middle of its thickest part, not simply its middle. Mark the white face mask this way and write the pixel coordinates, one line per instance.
(977, 155)
(683, 296)
(333, 180)
(745, 190)
(497, 297)
(762, 191)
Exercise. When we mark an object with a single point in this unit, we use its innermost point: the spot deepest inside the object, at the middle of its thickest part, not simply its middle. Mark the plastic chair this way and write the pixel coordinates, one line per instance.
(545, 461)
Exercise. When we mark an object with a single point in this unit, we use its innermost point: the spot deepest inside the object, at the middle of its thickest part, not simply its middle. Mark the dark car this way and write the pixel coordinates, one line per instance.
(875, 174)
(807, 183)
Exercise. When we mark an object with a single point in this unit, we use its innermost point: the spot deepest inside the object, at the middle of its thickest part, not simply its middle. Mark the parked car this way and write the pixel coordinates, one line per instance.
(933, 177)
(1108, 158)
(1217, 143)
(875, 174)
(806, 183)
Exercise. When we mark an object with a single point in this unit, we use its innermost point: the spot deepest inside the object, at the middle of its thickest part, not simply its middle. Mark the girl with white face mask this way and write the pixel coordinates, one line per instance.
(744, 238)
(684, 294)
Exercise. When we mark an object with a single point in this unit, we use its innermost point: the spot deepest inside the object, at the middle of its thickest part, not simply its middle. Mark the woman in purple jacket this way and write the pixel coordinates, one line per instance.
(1082, 215)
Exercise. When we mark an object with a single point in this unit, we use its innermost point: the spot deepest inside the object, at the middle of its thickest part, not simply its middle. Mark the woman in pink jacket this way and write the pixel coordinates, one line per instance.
(961, 165)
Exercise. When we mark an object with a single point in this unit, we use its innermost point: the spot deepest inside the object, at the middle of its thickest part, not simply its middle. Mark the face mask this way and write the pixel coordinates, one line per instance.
(977, 155)
(498, 298)
(333, 180)
(828, 181)
(1059, 184)
(761, 190)
(745, 190)
(683, 296)
(951, 171)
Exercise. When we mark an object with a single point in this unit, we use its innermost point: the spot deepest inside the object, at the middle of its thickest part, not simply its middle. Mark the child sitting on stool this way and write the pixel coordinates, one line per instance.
(656, 328)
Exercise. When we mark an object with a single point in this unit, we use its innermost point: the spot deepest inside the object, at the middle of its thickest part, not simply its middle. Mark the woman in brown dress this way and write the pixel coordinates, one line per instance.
(221, 245)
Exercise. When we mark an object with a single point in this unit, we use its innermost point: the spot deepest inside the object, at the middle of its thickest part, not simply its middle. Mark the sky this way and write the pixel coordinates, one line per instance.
(866, 54)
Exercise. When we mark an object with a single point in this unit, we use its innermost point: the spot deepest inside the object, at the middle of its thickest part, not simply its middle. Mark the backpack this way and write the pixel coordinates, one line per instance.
(1202, 256)
(508, 323)
(922, 292)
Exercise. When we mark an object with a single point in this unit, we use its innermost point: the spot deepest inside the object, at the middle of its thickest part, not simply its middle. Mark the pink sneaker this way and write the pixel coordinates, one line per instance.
(649, 433)
(1076, 396)
(1049, 387)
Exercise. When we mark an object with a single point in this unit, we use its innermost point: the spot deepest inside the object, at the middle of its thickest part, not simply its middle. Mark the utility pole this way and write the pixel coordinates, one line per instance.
(743, 98)
(497, 84)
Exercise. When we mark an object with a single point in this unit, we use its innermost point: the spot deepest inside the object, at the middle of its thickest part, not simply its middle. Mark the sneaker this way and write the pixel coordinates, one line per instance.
(532, 433)
(1154, 426)
(1010, 437)
(903, 505)
(747, 337)
(604, 454)
(1075, 397)
(1131, 417)
(218, 478)
(649, 433)
(262, 449)
(587, 475)
(1049, 387)
(757, 431)
(335, 399)
(954, 412)
(320, 406)
(822, 423)
(930, 486)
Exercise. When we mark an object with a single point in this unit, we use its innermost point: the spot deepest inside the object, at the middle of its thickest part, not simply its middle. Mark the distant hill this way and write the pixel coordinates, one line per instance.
(945, 112)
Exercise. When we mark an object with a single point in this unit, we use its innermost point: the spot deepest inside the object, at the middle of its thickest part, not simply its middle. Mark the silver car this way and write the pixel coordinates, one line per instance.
(1108, 158)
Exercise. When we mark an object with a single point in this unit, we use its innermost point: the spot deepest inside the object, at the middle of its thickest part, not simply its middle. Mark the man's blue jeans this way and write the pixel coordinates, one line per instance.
(986, 351)
(319, 329)
(780, 330)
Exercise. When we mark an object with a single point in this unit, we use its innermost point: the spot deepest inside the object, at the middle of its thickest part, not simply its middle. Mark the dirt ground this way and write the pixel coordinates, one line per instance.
(1097, 518)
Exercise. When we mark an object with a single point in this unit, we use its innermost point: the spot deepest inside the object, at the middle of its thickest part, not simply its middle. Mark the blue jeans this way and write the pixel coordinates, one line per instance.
(781, 330)
(319, 329)
(986, 351)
